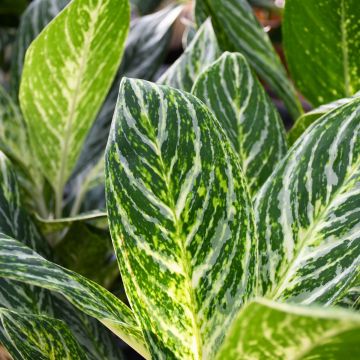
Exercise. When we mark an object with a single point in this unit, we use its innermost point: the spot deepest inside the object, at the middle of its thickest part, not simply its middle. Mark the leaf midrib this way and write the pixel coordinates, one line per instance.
(74, 102)
(275, 294)
(185, 262)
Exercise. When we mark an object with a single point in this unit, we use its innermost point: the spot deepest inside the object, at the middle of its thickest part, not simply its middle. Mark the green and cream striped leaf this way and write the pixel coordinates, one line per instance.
(322, 47)
(98, 342)
(146, 47)
(20, 263)
(36, 16)
(237, 30)
(201, 52)
(273, 331)
(308, 211)
(180, 218)
(304, 121)
(39, 337)
(68, 71)
(247, 115)
(20, 297)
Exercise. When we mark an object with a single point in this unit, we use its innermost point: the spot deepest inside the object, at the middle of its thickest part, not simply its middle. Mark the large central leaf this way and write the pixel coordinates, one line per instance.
(68, 71)
(308, 213)
(180, 217)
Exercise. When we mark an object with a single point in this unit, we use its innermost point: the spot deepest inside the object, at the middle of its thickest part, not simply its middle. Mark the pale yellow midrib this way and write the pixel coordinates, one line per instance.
(184, 261)
(69, 120)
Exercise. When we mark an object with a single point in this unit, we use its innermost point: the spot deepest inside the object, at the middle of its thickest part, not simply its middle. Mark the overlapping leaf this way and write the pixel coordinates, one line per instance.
(180, 218)
(201, 52)
(237, 29)
(267, 330)
(145, 50)
(98, 341)
(18, 262)
(14, 143)
(247, 115)
(308, 213)
(39, 337)
(37, 15)
(146, 47)
(68, 71)
(304, 121)
(20, 297)
(322, 47)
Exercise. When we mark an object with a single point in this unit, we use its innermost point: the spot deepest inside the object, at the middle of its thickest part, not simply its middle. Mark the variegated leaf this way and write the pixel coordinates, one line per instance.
(15, 222)
(145, 50)
(15, 144)
(273, 331)
(308, 213)
(201, 52)
(180, 218)
(39, 337)
(322, 47)
(68, 71)
(37, 15)
(18, 262)
(238, 30)
(310, 117)
(247, 115)
(98, 342)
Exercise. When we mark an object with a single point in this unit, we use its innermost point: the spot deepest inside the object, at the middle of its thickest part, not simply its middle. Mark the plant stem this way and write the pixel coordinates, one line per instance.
(59, 202)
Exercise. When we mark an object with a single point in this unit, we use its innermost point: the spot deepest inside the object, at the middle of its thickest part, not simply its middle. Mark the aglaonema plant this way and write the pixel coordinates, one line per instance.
(230, 244)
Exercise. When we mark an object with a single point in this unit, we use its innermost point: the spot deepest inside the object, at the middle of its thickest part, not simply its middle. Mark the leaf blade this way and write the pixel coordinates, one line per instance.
(18, 262)
(166, 243)
(306, 213)
(291, 332)
(59, 123)
(246, 114)
(238, 30)
(200, 53)
(323, 60)
(40, 337)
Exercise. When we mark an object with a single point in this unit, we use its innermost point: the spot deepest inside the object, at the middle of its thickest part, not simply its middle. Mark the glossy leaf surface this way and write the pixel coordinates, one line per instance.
(201, 52)
(268, 330)
(247, 115)
(238, 30)
(68, 71)
(322, 46)
(20, 263)
(304, 121)
(308, 213)
(180, 218)
(40, 337)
